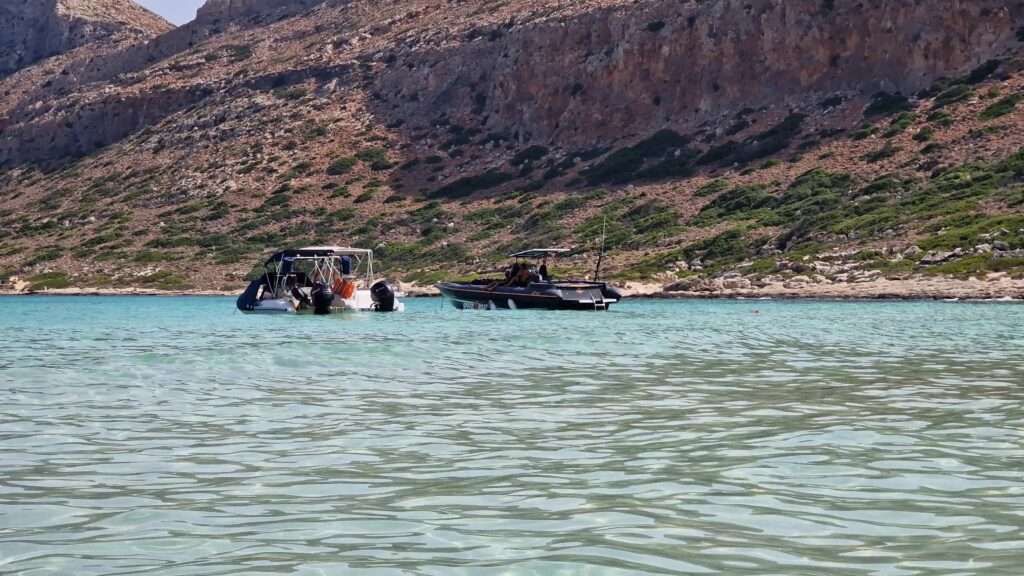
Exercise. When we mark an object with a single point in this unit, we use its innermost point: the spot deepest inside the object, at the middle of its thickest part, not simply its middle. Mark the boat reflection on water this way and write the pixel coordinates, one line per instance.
(528, 286)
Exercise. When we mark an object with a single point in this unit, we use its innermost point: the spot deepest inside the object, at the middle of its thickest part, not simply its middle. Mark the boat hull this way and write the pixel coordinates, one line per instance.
(536, 296)
(362, 301)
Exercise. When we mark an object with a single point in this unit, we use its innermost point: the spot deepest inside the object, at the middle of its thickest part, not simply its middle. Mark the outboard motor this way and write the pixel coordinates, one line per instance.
(609, 293)
(383, 297)
(322, 299)
(247, 301)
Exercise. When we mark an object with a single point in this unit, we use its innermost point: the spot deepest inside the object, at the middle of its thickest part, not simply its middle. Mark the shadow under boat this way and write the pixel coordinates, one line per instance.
(527, 286)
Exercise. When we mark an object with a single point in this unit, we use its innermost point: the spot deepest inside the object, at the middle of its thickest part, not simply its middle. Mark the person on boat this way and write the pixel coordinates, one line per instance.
(518, 277)
(302, 301)
(523, 278)
(543, 272)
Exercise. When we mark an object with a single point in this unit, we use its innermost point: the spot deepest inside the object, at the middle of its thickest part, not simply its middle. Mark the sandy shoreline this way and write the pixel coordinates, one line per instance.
(1000, 288)
(116, 292)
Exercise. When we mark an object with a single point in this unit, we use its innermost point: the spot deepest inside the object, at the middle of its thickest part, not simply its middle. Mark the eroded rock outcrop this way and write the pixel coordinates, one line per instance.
(224, 11)
(623, 70)
(31, 30)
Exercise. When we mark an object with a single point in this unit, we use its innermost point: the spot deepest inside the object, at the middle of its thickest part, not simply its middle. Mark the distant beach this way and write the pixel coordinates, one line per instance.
(1002, 287)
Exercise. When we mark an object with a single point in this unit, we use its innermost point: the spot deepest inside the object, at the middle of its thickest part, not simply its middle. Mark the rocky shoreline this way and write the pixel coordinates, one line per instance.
(993, 287)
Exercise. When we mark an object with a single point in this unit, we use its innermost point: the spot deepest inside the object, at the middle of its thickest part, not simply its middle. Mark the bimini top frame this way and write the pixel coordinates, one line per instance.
(325, 263)
(541, 253)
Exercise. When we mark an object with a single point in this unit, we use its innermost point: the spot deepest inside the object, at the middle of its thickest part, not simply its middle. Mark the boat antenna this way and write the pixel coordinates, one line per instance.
(600, 255)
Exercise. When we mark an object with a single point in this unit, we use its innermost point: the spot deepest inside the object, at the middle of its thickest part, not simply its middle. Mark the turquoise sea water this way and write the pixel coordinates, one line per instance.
(174, 436)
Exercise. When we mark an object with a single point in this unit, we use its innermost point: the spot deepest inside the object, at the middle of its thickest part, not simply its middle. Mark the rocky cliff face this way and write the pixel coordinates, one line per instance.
(612, 72)
(570, 76)
(215, 12)
(31, 30)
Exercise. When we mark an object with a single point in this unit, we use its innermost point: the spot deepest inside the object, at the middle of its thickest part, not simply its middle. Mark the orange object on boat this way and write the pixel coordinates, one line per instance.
(345, 288)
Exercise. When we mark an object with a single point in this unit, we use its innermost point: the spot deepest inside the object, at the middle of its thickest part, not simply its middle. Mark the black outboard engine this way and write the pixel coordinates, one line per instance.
(322, 299)
(383, 297)
(610, 293)
(247, 301)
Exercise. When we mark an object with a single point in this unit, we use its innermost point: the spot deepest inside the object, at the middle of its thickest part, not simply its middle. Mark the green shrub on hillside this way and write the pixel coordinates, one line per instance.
(756, 147)
(976, 265)
(952, 95)
(291, 92)
(727, 247)
(967, 230)
(45, 255)
(464, 187)
(341, 166)
(888, 150)
(739, 203)
(377, 158)
(886, 104)
(166, 280)
(864, 132)
(1001, 108)
(900, 124)
(49, 281)
(372, 155)
(924, 135)
(275, 201)
(630, 224)
(713, 187)
(627, 164)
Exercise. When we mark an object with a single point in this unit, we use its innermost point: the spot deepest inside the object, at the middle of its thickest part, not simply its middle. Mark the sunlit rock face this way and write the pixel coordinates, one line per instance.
(31, 30)
(586, 79)
(575, 75)
(225, 11)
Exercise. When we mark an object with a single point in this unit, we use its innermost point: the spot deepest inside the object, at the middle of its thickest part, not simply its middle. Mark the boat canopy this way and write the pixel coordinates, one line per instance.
(317, 252)
(541, 253)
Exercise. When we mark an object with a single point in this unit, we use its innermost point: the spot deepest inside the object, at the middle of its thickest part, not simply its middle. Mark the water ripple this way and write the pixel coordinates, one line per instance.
(173, 436)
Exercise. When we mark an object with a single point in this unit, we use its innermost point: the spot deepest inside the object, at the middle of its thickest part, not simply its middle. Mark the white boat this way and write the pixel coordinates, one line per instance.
(319, 280)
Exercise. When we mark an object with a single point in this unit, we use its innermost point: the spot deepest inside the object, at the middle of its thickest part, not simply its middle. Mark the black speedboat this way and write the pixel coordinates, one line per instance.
(526, 286)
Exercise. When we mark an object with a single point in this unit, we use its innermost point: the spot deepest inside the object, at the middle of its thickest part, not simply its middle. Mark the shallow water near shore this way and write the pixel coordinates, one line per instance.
(174, 436)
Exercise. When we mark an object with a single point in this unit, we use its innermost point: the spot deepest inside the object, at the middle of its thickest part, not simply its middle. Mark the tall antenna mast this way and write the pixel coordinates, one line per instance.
(600, 255)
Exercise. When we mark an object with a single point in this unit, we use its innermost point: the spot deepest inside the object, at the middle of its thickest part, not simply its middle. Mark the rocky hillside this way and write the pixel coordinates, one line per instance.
(826, 141)
(32, 30)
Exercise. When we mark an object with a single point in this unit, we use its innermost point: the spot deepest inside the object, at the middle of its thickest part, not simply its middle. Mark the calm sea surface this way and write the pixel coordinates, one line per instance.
(174, 436)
